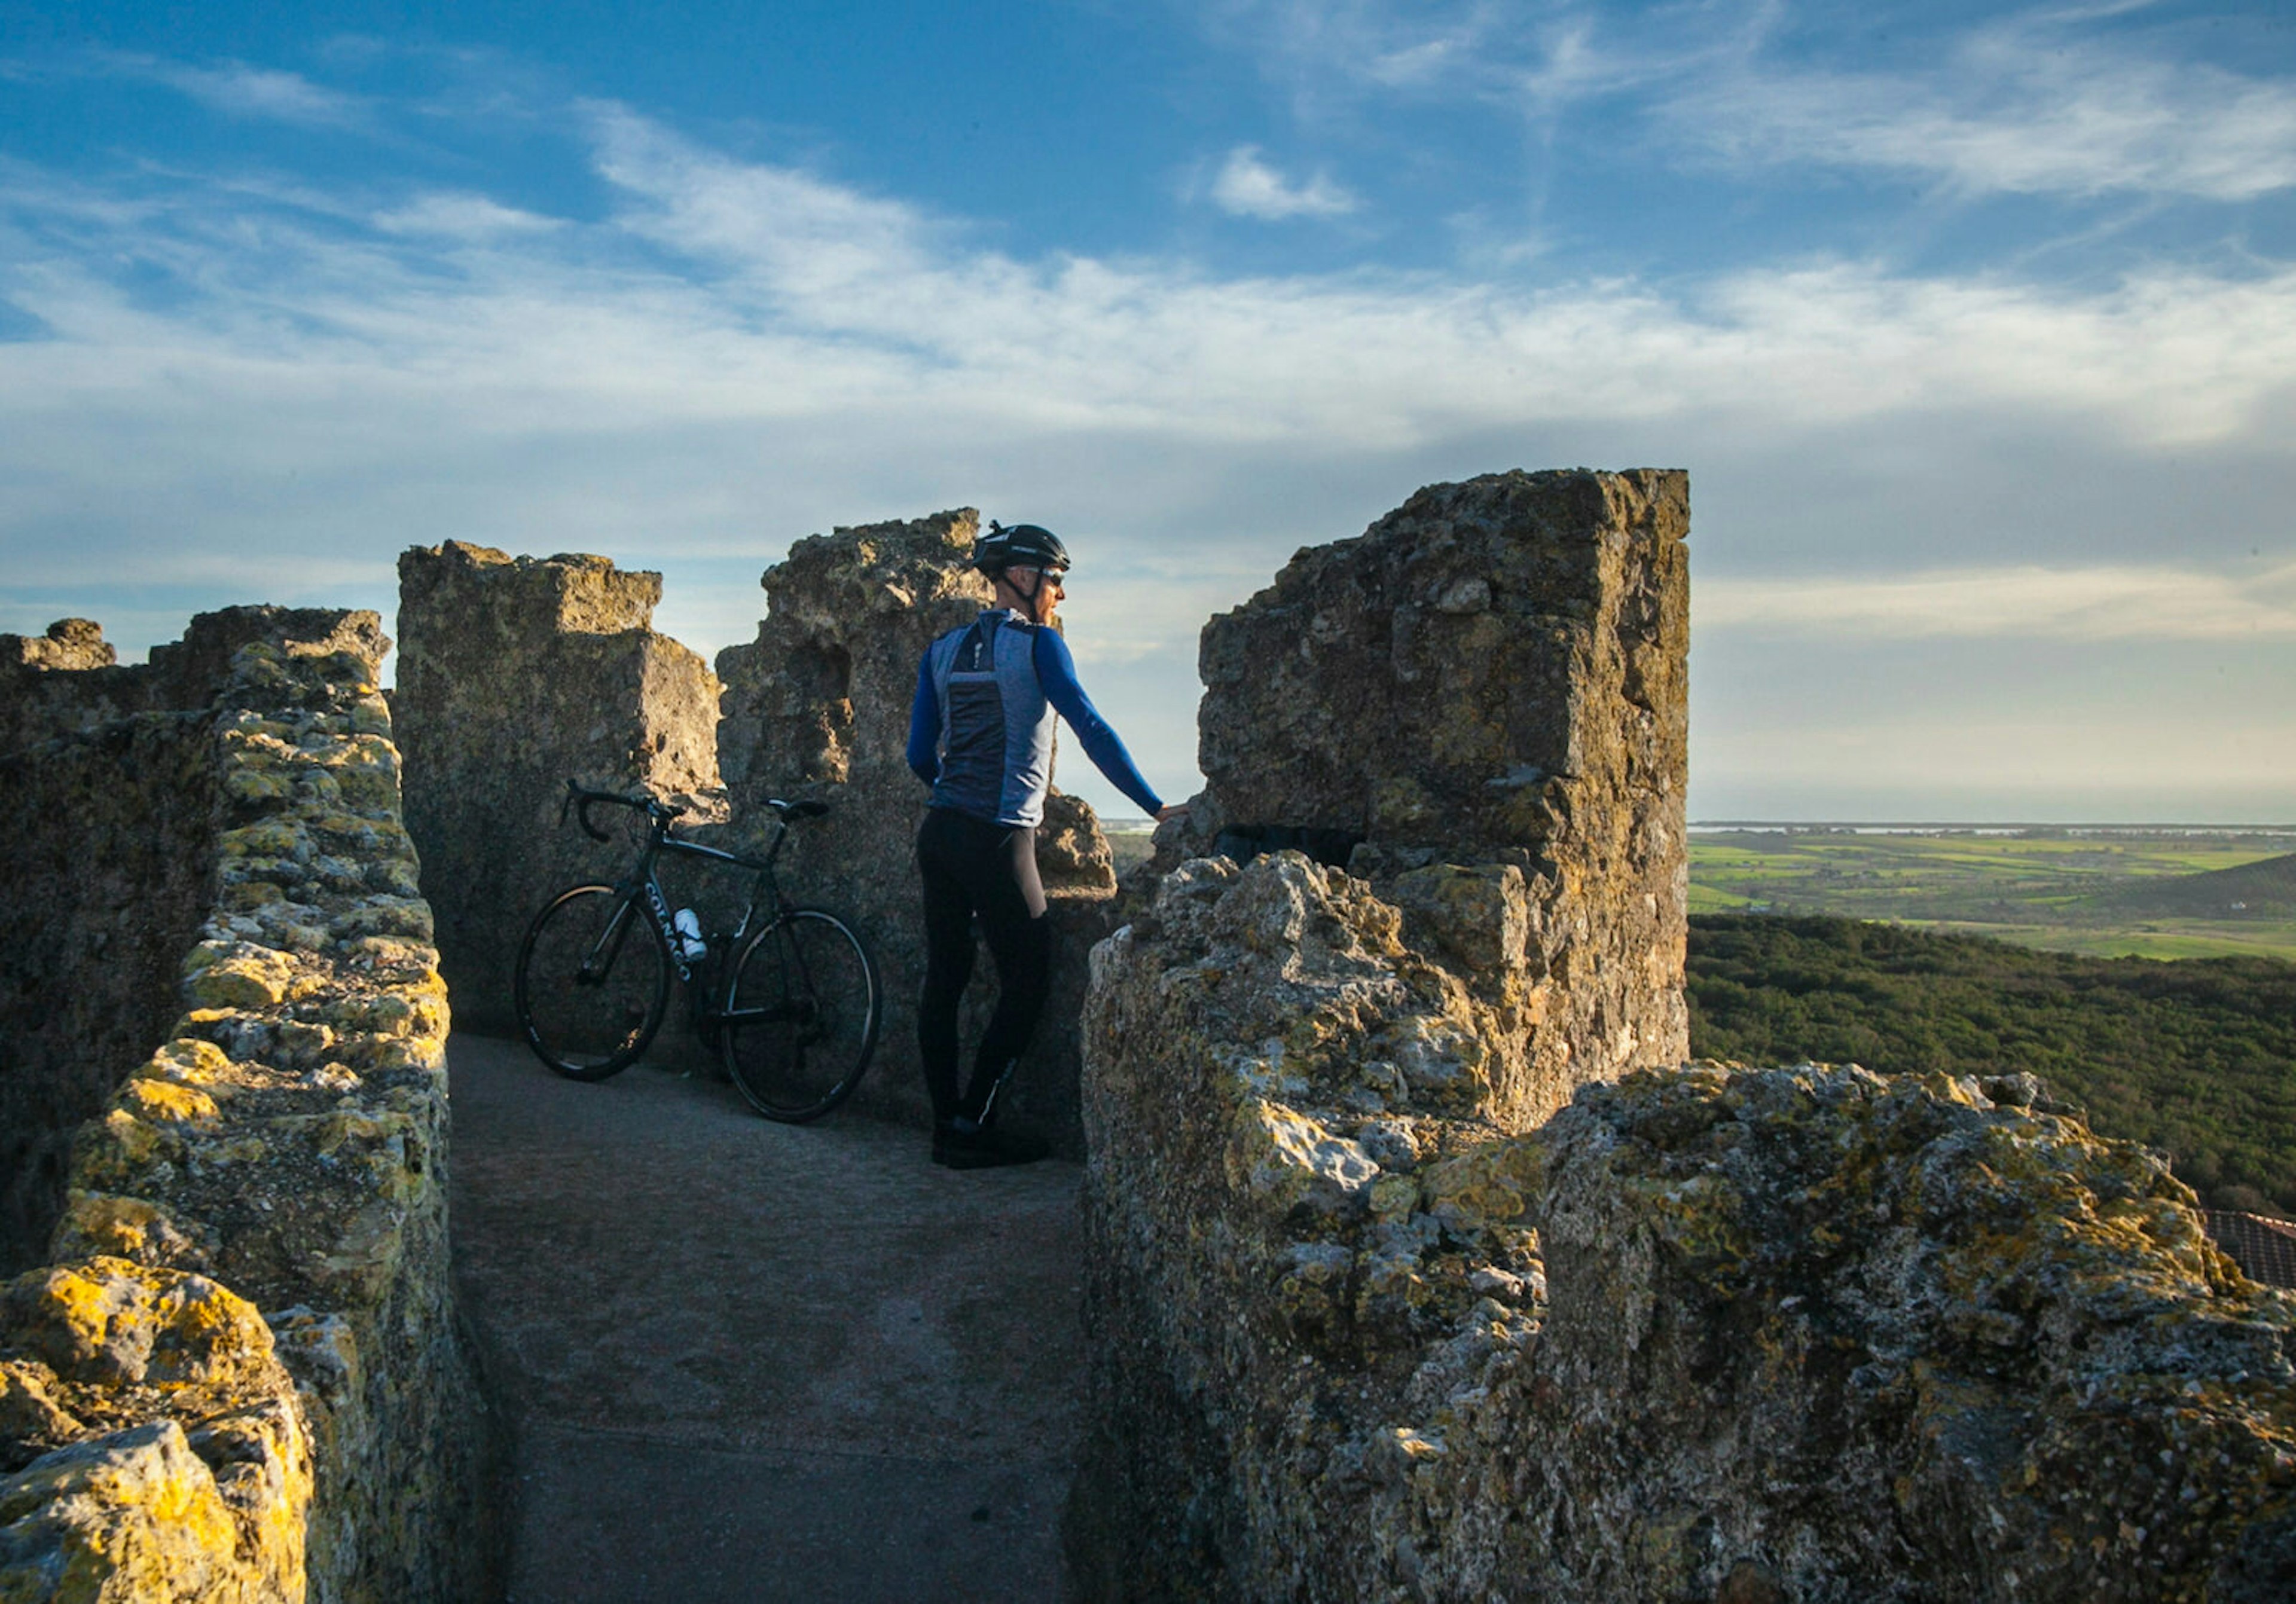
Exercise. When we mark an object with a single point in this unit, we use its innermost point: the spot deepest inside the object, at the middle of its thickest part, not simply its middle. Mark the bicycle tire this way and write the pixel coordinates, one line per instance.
(800, 1017)
(589, 1028)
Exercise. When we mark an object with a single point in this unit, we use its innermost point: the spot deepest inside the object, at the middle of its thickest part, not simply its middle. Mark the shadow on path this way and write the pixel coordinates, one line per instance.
(744, 1360)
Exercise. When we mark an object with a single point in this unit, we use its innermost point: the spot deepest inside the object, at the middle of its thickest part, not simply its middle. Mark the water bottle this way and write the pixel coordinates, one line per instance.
(689, 935)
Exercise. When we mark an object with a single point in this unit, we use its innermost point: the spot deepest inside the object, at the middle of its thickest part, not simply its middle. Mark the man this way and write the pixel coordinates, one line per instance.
(980, 734)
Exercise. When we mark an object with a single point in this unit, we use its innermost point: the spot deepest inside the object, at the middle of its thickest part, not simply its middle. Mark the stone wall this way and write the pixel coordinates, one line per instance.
(1492, 677)
(50, 686)
(515, 675)
(103, 882)
(819, 706)
(240, 1376)
(1765, 1334)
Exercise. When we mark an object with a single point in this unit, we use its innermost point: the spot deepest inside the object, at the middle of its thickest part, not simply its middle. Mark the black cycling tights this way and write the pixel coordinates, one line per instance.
(971, 866)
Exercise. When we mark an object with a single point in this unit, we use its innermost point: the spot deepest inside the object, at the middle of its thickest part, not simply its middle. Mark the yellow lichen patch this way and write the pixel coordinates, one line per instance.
(108, 1322)
(85, 1323)
(133, 1516)
(1496, 1183)
(410, 1009)
(245, 896)
(237, 974)
(206, 1333)
(163, 1101)
(117, 1227)
(273, 838)
(113, 1153)
(246, 782)
(189, 1061)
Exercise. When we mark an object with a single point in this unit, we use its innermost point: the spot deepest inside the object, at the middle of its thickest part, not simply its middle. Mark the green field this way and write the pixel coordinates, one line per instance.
(2106, 893)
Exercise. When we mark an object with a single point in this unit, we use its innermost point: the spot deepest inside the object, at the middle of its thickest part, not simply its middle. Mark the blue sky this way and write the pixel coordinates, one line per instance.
(1974, 325)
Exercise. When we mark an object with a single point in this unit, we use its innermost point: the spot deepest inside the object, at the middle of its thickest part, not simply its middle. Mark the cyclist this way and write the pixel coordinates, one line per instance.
(980, 735)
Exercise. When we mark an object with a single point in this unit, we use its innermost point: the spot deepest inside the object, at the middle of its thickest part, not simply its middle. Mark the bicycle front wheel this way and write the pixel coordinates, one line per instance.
(593, 982)
(801, 1017)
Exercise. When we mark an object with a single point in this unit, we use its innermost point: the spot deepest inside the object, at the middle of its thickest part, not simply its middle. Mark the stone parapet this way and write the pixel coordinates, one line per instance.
(240, 1375)
(515, 675)
(1763, 1335)
(1493, 674)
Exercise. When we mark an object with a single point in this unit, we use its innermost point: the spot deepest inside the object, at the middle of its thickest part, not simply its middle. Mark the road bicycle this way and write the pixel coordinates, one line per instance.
(792, 1006)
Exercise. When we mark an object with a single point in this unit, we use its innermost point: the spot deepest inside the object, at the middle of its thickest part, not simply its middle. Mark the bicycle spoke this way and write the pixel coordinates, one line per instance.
(801, 1017)
(589, 997)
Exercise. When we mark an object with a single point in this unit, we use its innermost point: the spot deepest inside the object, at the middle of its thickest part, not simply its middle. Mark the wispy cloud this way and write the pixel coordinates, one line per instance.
(1247, 187)
(2023, 106)
(237, 89)
(2024, 602)
(464, 217)
(2049, 101)
(1500, 49)
(739, 290)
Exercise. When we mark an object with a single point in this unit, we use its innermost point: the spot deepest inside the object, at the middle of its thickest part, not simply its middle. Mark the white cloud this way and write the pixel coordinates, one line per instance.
(1248, 187)
(738, 291)
(236, 89)
(2019, 107)
(2034, 102)
(2027, 601)
(738, 353)
(461, 217)
(1428, 45)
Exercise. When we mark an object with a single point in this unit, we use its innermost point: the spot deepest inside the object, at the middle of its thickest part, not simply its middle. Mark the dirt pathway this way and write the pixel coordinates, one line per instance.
(745, 1361)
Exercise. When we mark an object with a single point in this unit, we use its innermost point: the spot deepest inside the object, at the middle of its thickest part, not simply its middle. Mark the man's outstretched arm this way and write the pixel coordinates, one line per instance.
(1057, 672)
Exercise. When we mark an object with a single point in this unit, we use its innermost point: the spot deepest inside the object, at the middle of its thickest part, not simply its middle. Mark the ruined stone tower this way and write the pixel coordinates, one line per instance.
(515, 675)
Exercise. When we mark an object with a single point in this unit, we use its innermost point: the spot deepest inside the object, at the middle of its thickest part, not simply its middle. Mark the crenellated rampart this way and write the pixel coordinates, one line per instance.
(239, 1373)
(1419, 1267)
(1418, 1264)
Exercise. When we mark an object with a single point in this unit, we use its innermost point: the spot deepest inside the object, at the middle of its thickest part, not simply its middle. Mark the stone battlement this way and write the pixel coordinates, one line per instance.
(237, 1373)
(1417, 1261)
(1773, 1334)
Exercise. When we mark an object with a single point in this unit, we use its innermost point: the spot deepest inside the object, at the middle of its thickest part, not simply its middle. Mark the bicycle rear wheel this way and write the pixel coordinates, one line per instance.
(801, 1017)
(593, 982)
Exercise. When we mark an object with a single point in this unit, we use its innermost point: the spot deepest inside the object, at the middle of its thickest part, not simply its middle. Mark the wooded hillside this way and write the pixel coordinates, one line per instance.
(2197, 1057)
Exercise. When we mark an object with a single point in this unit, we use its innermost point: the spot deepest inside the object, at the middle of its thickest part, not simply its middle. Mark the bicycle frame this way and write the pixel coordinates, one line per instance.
(643, 884)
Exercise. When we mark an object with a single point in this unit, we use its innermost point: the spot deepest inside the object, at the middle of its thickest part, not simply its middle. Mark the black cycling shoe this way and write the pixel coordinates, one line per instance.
(960, 1144)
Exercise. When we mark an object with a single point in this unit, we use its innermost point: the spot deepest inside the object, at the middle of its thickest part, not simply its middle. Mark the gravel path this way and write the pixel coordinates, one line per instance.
(744, 1360)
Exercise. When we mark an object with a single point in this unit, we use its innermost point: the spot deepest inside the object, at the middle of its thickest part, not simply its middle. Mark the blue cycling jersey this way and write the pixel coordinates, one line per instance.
(980, 728)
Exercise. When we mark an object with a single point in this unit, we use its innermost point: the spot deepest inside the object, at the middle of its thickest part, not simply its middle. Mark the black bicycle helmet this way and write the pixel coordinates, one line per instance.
(1022, 545)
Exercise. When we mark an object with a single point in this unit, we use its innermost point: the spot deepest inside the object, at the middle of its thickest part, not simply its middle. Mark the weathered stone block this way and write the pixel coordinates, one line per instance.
(1494, 674)
(515, 675)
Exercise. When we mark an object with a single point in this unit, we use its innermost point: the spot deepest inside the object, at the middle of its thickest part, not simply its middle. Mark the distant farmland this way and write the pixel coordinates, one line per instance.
(2158, 894)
